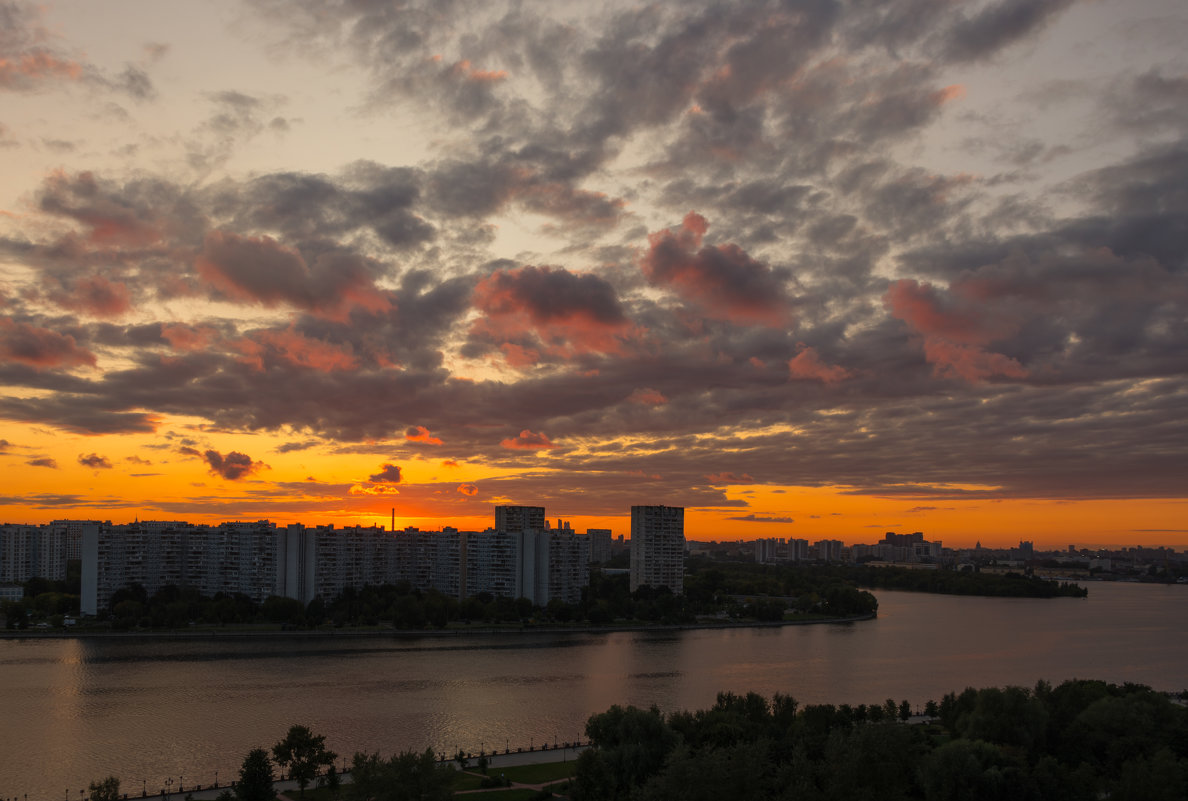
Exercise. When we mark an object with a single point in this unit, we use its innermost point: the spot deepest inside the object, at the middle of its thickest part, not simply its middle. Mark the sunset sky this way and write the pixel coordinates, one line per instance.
(808, 269)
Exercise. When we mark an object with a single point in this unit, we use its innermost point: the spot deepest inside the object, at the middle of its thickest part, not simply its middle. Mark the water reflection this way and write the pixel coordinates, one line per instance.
(82, 709)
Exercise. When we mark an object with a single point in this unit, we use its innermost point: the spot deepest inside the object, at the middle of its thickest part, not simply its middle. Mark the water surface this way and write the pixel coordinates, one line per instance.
(72, 711)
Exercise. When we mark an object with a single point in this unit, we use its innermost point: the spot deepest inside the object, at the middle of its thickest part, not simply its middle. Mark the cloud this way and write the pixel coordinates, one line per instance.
(233, 466)
(720, 279)
(729, 478)
(528, 441)
(28, 59)
(43, 461)
(530, 311)
(807, 364)
(470, 490)
(262, 270)
(40, 347)
(290, 447)
(95, 295)
(94, 461)
(998, 25)
(645, 396)
(955, 331)
(388, 474)
(762, 519)
(422, 435)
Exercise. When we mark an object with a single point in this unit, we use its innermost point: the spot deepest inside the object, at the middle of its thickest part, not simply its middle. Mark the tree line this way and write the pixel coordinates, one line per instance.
(709, 592)
(303, 757)
(1080, 741)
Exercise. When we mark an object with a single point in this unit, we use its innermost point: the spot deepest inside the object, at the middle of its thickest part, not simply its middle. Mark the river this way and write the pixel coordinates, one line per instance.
(76, 710)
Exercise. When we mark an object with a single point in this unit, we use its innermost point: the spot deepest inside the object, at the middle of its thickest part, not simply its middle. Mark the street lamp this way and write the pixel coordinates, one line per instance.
(143, 788)
(216, 778)
(168, 784)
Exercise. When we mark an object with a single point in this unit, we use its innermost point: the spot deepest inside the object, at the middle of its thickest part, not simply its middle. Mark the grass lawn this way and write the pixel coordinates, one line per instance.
(538, 774)
(464, 781)
(316, 793)
(503, 795)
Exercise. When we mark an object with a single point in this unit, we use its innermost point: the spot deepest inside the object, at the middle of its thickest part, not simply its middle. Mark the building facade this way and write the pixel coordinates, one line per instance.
(658, 547)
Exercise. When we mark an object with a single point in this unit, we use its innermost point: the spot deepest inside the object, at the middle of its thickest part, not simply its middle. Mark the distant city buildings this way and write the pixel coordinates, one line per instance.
(898, 548)
(522, 557)
(520, 518)
(658, 547)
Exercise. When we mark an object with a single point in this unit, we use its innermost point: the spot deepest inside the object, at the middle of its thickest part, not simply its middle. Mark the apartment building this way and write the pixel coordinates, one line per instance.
(658, 547)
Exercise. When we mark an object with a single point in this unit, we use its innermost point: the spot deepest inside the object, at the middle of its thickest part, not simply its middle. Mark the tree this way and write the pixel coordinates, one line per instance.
(105, 789)
(255, 777)
(406, 776)
(333, 782)
(303, 754)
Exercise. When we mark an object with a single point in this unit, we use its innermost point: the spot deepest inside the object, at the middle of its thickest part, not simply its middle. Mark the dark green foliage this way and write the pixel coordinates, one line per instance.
(952, 582)
(105, 789)
(303, 755)
(1080, 741)
(632, 747)
(255, 777)
(407, 776)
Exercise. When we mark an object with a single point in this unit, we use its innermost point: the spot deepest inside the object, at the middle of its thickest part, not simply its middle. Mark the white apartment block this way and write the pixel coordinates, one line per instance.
(259, 560)
(28, 551)
(658, 547)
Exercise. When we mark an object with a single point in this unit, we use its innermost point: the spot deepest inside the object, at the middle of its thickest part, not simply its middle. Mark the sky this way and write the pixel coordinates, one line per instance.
(809, 269)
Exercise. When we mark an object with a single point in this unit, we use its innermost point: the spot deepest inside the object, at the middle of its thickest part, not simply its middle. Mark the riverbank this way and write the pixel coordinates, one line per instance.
(458, 631)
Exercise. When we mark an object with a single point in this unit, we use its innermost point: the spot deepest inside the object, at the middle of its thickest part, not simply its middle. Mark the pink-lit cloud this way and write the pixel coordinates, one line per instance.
(528, 441)
(723, 280)
(263, 347)
(40, 347)
(808, 365)
(188, 337)
(469, 490)
(955, 330)
(28, 69)
(95, 295)
(530, 311)
(422, 435)
(729, 478)
(647, 397)
(262, 270)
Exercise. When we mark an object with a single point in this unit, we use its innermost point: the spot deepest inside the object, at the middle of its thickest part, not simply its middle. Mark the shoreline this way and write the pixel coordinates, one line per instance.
(415, 633)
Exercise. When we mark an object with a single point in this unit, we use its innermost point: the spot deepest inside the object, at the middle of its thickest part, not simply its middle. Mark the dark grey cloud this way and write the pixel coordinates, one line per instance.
(232, 466)
(999, 25)
(94, 461)
(388, 474)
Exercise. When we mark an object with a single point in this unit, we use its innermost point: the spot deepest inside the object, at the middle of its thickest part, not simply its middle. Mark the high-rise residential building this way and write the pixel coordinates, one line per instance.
(658, 547)
(259, 560)
(599, 540)
(519, 518)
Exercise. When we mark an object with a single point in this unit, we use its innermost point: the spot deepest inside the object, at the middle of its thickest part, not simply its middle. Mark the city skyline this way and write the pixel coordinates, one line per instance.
(807, 270)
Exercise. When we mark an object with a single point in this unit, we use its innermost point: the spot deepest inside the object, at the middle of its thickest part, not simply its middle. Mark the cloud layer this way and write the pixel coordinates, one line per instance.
(780, 241)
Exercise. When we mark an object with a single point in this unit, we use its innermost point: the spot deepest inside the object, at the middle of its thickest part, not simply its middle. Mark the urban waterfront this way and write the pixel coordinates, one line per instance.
(75, 710)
